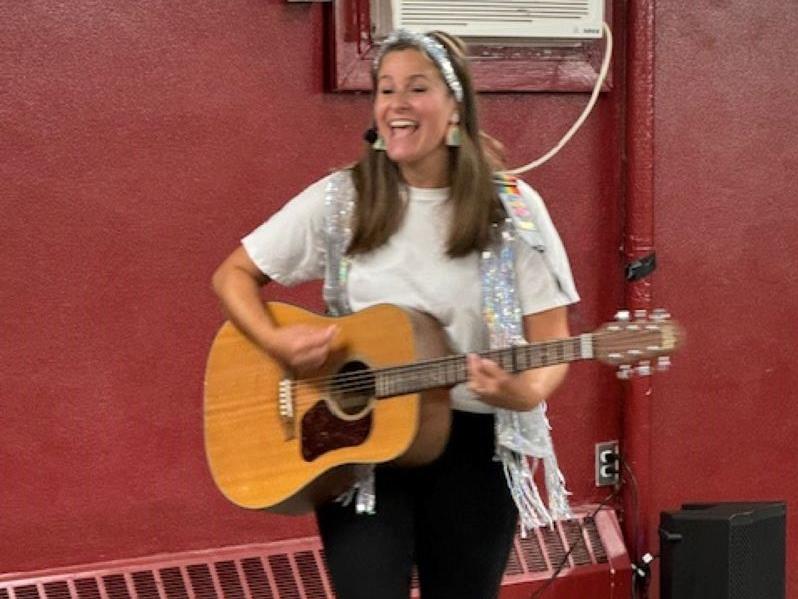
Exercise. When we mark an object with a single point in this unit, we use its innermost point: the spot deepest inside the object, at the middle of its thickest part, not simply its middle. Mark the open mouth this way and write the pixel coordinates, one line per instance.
(402, 127)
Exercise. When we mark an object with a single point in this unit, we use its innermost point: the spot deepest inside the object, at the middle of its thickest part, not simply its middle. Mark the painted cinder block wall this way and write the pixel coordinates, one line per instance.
(139, 142)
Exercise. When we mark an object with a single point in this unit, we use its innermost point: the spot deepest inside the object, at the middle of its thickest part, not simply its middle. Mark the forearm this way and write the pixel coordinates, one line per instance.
(238, 288)
(237, 282)
(529, 388)
(525, 390)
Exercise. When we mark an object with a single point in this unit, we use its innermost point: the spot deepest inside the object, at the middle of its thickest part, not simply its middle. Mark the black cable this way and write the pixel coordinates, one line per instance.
(635, 521)
(641, 564)
(539, 593)
(642, 571)
(635, 506)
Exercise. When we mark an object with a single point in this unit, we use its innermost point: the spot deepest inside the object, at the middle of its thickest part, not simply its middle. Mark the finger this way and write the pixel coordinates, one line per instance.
(476, 380)
(310, 361)
(472, 365)
(490, 368)
(321, 337)
(479, 367)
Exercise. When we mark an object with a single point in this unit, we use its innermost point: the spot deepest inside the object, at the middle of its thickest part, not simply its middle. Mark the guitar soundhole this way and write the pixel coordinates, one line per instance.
(352, 389)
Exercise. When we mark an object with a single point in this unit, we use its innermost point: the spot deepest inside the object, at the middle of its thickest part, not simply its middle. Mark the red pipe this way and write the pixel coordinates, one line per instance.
(638, 242)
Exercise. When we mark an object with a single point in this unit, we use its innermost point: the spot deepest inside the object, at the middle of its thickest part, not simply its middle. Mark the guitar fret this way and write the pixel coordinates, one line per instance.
(505, 360)
(456, 369)
(383, 385)
(445, 372)
(526, 363)
(548, 353)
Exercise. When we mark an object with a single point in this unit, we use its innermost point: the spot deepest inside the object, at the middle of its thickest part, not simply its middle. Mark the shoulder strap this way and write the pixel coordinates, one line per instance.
(533, 224)
(518, 210)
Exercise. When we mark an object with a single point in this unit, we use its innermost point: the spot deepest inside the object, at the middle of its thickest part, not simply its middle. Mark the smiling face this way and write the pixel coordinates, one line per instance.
(412, 109)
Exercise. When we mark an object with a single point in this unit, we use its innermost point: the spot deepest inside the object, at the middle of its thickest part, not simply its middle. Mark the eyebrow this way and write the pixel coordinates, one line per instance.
(413, 76)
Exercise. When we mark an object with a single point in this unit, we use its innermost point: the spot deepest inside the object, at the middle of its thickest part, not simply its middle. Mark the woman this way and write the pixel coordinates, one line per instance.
(422, 217)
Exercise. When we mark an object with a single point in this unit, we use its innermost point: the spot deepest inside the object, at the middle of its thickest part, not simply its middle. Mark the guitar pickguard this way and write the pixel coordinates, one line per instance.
(323, 431)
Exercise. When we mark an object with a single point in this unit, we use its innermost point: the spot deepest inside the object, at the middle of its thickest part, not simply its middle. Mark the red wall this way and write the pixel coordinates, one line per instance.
(725, 419)
(141, 141)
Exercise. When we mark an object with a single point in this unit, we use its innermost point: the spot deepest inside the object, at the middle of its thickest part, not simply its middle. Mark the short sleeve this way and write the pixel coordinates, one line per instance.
(537, 288)
(289, 246)
(543, 270)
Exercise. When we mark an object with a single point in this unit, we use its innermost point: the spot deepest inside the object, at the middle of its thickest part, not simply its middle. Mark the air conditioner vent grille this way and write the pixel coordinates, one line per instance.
(421, 13)
(493, 18)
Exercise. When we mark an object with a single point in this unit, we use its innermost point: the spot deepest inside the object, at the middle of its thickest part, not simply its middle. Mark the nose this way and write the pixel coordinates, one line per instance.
(400, 99)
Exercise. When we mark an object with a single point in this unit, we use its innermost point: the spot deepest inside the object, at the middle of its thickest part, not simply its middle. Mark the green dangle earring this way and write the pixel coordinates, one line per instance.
(453, 134)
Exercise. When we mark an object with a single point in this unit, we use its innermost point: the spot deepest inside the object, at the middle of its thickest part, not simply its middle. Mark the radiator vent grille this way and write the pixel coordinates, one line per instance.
(145, 585)
(293, 569)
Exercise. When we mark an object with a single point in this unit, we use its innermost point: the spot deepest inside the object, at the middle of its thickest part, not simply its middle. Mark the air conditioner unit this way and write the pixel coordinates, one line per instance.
(524, 19)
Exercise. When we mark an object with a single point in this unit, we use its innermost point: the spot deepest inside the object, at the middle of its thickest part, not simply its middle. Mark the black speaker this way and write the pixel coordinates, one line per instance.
(723, 551)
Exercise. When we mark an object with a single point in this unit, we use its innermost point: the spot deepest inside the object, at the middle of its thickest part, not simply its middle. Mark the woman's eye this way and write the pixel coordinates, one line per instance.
(419, 90)
(386, 91)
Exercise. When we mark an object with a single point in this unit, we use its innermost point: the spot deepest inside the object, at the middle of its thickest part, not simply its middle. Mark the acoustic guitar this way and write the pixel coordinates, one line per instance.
(282, 443)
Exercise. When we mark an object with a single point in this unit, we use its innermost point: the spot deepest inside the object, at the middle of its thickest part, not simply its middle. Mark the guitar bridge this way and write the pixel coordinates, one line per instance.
(285, 406)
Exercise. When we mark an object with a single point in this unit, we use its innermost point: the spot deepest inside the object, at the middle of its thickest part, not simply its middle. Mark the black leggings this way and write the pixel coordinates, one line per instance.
(454, 519)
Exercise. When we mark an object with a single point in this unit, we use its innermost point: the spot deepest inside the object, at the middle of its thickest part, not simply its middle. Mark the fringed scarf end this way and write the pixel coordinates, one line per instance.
(532, 510)
(361, 492)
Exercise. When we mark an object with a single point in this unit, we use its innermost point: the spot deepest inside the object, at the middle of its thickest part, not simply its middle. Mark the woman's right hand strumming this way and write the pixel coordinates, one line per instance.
(237, 282)
(302, 348)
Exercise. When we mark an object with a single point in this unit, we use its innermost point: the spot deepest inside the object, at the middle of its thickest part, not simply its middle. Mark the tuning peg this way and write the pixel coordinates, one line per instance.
(660, 314)
(663, 363)
(644, 369)
(624, 372)
(641, 314)
(622, 315)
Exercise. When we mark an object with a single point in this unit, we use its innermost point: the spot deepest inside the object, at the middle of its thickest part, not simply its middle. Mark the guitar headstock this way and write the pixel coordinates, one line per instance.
(637, 345)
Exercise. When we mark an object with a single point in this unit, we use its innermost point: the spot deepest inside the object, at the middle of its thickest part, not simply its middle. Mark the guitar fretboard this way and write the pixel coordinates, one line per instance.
(452, 370)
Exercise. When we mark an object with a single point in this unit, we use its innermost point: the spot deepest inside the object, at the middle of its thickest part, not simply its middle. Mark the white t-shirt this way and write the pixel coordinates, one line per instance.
(410, 270)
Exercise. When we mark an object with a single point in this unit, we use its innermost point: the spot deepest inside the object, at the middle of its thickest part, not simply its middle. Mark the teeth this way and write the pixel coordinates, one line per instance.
(403, 123)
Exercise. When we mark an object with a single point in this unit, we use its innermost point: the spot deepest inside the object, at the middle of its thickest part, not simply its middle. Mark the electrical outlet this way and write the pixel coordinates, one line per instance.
(608, 464)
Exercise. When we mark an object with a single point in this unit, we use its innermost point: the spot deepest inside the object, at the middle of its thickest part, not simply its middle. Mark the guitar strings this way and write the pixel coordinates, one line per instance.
(364, 379)
(457, 361)
(353, 381)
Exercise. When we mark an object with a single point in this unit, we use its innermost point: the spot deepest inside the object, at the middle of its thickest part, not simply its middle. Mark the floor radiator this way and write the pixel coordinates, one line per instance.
(597, 567)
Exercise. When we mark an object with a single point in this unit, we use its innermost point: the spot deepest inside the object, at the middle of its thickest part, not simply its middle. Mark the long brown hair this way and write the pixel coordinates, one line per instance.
(380, 206)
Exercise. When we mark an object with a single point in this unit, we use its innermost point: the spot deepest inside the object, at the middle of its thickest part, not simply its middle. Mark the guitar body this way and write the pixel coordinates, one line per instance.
(264, 457)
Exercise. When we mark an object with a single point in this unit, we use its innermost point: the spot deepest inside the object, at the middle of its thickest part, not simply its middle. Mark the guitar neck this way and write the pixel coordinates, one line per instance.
(452, 370)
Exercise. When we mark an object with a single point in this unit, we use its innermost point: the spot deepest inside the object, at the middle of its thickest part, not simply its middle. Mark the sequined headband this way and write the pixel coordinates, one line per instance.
(432, 48)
